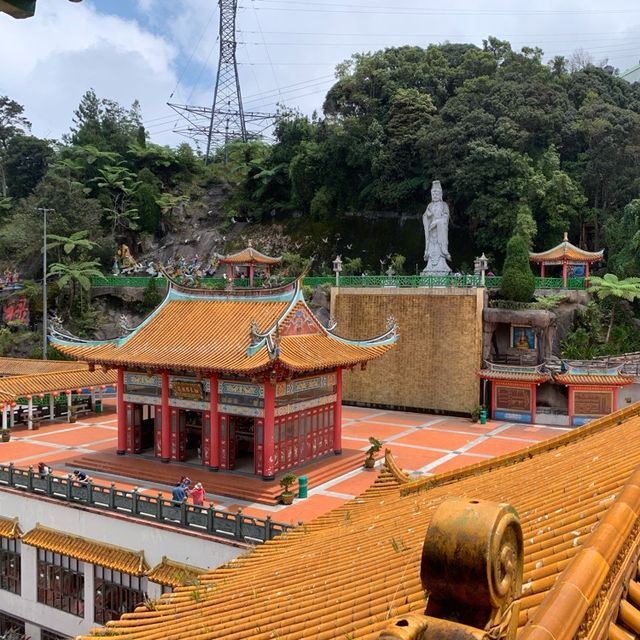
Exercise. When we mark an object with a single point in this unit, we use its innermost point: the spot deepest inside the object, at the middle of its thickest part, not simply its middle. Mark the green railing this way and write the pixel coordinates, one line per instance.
(450, 280)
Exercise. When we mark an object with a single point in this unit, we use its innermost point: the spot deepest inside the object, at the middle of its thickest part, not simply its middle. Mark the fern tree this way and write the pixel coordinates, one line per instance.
(610, 286)
(518, 281)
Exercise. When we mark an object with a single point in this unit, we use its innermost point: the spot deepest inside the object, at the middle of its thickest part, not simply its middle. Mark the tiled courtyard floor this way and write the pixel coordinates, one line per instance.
(421, 443)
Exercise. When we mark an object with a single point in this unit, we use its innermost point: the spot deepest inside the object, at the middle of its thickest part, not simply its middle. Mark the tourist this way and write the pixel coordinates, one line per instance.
(178, 494)
(80, 476)
(197, 494)
(186, 483)
(43, 470)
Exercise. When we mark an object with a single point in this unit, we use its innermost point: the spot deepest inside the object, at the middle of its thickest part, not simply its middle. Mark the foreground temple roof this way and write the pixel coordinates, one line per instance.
(240, 331)
(349, 572)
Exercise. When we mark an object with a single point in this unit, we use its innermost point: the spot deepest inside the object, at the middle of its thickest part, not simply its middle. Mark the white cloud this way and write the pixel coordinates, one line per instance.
(68, 48)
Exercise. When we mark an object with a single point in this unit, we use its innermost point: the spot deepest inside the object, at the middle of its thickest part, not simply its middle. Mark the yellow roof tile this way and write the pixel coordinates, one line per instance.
(174, 574)
(249, 256)
(593, 379)
(100, 553)
(20, 386)
(28, 366)
(212, 332)
(569, 251)
(9, 528)
(349, 571)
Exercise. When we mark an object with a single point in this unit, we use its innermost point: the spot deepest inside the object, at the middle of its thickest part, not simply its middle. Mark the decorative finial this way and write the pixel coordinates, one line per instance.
(249, 245)
(254, 331)
(392, 323)
(123, 323)
(566, 237)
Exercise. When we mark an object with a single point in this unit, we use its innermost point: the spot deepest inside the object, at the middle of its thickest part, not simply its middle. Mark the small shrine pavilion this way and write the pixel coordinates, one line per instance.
(250, 260)
(246, 379)
(592, 392)
(567, 255)
(513, 390)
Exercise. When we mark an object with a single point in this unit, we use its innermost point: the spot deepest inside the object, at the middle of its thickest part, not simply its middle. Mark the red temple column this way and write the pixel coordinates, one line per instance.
(214, 437)
(165, 454)
(614, 403)
(534, 391)
(564, 273)
(542, 269)
(122, 416)
(337, 416)
(570, 404)
(586, 274)
(269, 428)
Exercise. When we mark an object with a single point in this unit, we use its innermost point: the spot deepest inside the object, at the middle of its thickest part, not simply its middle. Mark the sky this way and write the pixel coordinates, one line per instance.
(160, 51)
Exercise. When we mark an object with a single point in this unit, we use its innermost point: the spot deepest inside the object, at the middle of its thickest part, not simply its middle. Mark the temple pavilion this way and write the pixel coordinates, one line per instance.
(245, 379)
(568, 256)
(248, 262)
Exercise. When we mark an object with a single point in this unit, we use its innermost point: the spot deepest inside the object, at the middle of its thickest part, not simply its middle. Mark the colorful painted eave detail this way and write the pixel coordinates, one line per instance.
(568, 251)
(228, 332)
(92, 551)
(345, 573)
(9, 528)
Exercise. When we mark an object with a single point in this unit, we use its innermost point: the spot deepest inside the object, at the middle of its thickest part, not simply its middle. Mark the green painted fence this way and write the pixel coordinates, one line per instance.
(450, 280)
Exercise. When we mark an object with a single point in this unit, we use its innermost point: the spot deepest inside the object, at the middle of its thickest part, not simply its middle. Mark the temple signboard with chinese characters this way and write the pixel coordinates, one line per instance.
(255, 384)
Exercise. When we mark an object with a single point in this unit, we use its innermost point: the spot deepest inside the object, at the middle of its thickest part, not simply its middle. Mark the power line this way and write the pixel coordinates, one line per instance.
(289, 5)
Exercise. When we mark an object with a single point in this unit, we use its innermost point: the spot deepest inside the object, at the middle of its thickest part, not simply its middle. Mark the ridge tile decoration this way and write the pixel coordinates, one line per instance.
(92, 551)
(241, 377)
(353, 571)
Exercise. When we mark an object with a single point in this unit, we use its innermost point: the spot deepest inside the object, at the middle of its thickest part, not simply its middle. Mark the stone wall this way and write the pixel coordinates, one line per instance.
(435, 362)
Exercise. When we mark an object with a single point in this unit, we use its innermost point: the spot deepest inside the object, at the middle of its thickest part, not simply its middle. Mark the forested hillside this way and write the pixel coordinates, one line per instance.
(518, 142)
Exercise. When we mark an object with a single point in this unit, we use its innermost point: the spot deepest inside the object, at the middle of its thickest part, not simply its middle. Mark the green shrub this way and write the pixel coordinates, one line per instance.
(518, 281)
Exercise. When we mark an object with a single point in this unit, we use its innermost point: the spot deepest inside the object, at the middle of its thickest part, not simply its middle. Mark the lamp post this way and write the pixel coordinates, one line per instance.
(337, 268)
(480, 266)
(44, 212)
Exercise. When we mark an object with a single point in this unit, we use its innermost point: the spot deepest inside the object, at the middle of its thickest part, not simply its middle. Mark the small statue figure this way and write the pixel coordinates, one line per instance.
(436, 233)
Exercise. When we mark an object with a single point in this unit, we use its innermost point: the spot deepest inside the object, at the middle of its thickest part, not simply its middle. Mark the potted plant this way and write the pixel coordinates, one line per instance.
(285, 482)
(376, 445)
(474, 412)
(6, 435)
(73, 414)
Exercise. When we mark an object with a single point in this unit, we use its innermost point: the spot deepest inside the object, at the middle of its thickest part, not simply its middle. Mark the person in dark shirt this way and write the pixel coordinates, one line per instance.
(178, 493)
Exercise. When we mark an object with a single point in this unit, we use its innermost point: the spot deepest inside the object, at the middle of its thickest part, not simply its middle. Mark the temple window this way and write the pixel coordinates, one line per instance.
(60, 582)
(116, 593)
(10, 565)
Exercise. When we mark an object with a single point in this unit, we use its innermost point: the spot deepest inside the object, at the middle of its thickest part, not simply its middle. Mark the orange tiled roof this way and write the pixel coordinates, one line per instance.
(212, 331)
(593, 379)
(174, 574)
(249, 256)
(100, 553)
(348, 572)
(9, 528)
(568, 251)
(19, 386)
(28, 366)
(514, 375)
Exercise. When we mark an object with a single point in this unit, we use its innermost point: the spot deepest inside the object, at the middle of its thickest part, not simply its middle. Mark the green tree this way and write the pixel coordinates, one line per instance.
(610, 286)
(518, 281)
(75, 242)
(75, 277)
(12, 123)
(26, 161)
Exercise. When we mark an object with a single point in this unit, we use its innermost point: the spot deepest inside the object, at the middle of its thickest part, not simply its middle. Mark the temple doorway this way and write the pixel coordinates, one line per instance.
(193, 434)
(243, 434)
(148, 418)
